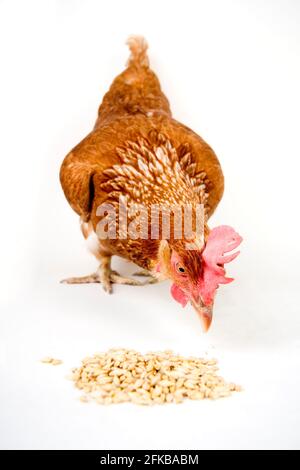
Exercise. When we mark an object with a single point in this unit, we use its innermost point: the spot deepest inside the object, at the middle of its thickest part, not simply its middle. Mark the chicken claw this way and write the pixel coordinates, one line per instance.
(146, 273)
(82, 279)
(106, 277)
(142, 272)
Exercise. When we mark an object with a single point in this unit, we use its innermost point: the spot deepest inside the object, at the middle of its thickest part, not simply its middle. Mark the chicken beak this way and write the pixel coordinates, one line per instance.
(204, 312)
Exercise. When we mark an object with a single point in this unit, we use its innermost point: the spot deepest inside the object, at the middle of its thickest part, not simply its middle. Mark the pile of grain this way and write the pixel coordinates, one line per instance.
(122, 375)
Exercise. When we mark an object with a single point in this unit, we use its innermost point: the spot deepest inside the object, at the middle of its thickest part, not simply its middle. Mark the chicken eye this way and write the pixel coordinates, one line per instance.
(180, 269)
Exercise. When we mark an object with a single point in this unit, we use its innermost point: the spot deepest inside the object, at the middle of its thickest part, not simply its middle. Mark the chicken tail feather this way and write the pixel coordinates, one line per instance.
(138, 47)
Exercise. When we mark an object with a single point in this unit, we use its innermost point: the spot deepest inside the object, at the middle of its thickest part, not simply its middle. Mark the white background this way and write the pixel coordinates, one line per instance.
(231, 71)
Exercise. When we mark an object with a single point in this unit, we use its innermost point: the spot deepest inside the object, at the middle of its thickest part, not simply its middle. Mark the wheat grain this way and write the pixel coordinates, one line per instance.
(52, 361)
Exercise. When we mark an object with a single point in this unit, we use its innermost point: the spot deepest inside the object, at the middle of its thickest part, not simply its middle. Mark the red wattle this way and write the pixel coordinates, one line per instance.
(179, 295)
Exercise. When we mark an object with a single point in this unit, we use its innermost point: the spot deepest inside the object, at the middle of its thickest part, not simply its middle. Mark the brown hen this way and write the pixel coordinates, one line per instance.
(138, 154)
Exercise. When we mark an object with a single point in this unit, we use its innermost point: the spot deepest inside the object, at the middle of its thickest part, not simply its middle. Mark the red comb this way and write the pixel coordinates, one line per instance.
(221, 240)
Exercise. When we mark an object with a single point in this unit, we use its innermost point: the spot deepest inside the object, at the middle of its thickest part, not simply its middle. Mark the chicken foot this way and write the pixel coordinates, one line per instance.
(105, 276)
